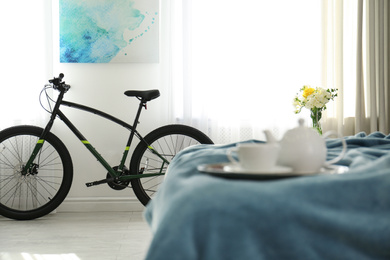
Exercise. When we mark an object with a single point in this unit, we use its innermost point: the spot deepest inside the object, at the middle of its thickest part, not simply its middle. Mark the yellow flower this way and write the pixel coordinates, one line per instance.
(307, 91)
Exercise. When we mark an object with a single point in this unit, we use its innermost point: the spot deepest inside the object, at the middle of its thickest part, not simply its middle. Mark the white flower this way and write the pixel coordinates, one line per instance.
(313, 98)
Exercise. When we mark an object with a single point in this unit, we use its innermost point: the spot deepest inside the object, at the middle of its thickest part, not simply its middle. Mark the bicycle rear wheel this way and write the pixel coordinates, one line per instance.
(39, 192)
(167, 141)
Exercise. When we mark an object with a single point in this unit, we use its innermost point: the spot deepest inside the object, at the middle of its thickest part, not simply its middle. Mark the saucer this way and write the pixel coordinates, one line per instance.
(235, 168)
(233, 171)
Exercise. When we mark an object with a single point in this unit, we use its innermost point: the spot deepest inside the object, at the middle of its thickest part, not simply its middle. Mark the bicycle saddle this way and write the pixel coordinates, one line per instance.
(144, 95)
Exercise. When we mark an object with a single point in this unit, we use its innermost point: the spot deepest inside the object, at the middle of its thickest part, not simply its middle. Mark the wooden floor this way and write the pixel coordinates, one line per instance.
(76, 236)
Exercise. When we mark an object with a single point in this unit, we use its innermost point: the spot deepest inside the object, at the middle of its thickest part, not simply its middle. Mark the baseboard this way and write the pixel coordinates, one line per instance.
(96, 204)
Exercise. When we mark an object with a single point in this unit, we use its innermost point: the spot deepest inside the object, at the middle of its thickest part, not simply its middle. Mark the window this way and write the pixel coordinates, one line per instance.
(242, 62)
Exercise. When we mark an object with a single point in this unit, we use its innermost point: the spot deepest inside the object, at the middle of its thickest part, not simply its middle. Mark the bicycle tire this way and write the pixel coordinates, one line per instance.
(30, 196)
(168, 141)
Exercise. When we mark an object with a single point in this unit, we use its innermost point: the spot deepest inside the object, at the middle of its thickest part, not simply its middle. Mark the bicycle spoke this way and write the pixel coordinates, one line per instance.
(166, 141)
(32, 190)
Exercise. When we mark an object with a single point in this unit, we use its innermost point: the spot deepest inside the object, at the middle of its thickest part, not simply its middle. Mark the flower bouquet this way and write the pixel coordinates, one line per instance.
(314, 99)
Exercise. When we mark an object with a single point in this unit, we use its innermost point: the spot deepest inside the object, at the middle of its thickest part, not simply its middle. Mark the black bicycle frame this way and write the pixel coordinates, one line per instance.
(29, 167)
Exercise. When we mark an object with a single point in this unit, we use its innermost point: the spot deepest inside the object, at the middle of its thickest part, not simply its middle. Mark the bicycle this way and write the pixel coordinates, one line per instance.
(36, 169)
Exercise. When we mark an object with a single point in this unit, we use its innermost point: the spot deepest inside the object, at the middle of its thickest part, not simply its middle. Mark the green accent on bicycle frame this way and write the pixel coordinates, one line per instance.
(127, 148)
(100, 158)
(37, 147)
(150, 147)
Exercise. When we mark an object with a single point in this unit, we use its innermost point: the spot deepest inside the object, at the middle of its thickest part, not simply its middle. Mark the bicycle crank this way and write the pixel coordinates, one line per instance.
(115, 183)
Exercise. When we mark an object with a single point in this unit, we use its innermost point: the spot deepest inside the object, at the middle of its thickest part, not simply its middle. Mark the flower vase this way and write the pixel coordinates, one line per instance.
(316, 114)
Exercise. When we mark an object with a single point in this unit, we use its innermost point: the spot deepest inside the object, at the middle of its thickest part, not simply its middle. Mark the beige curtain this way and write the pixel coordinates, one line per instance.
(356, 59)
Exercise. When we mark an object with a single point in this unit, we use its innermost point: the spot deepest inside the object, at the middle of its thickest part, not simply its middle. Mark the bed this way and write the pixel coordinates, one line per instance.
(327, 216)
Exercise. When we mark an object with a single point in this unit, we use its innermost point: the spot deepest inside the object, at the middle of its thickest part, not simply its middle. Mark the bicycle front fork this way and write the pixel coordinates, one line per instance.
(30, 167)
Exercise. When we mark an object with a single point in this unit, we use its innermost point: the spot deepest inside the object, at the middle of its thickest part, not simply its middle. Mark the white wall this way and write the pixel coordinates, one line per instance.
(32, 59)
(102, 86)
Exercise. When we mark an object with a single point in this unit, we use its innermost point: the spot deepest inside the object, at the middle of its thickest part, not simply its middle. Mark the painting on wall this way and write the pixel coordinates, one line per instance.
(107, 31)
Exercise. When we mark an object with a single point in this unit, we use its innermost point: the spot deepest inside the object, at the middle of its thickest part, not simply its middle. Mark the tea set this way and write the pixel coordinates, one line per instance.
(300, 151)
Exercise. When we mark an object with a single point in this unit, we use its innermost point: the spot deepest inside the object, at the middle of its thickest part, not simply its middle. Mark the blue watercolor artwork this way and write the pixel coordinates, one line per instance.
(103, 31)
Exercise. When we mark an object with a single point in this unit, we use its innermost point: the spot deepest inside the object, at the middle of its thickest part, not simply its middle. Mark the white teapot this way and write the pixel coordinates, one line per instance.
(304, 150)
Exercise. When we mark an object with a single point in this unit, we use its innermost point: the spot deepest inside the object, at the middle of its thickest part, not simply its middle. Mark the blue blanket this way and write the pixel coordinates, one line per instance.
(344, 216)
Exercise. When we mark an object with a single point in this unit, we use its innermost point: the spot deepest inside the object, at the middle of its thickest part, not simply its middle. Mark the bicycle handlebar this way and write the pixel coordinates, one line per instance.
(59, 84)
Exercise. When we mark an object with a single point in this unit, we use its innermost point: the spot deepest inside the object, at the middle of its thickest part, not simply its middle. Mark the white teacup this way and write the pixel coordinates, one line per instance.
(255, 156)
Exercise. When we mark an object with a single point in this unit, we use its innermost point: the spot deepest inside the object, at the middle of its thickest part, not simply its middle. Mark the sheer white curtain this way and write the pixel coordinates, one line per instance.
(232, 68)
(356, 62)
(25, 60)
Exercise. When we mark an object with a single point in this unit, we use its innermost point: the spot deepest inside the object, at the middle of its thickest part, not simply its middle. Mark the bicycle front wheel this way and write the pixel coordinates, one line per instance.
(25, 196)
(167, 141)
